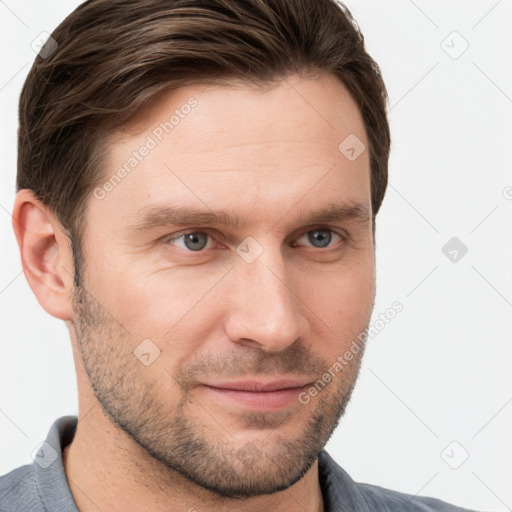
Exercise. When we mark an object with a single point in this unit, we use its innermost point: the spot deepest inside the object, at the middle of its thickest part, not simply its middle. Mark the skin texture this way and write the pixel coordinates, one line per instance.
(152, 437)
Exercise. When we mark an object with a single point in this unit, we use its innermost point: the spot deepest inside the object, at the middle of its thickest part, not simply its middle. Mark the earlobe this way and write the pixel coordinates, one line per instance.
(45, 254)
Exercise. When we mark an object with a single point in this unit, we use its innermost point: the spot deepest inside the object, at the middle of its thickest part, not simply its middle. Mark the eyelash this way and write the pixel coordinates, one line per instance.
(343, 235)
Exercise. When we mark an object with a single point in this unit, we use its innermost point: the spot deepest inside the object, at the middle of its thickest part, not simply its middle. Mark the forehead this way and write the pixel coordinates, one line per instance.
(241, 145)
(323, 96)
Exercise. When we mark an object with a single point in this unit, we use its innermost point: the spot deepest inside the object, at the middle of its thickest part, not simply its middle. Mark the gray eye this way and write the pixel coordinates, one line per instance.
(320, 237)
(195, 241)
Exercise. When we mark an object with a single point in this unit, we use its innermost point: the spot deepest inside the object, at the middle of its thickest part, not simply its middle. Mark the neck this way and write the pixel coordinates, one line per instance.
(106, 470)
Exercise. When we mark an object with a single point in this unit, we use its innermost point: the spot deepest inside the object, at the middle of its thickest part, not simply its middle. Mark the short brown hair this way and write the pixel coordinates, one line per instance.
(115, 55)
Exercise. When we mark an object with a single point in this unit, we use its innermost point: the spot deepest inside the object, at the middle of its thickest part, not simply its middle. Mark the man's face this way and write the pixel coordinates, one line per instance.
(277, 296)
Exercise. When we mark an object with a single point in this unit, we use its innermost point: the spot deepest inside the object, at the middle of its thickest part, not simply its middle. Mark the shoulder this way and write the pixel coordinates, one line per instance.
(379, 498)
(18, 491)
(341, 492)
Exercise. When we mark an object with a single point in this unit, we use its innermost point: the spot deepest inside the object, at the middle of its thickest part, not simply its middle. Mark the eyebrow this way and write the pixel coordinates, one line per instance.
(154, 216)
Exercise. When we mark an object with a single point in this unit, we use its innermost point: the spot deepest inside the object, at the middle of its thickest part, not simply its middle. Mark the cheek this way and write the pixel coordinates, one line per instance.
(340, 302)
(339, 288)
(176, 313)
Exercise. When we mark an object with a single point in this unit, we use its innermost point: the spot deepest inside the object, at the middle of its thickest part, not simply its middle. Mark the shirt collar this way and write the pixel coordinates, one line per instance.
(49, 469)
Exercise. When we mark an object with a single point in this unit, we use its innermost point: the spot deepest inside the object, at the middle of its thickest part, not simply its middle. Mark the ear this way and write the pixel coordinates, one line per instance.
(45, 254)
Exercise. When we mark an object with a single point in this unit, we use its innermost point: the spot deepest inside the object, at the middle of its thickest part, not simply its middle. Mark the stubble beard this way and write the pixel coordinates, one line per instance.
(215, 460)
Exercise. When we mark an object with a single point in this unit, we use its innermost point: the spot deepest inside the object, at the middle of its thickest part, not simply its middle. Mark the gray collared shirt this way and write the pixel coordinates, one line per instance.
(42, 485)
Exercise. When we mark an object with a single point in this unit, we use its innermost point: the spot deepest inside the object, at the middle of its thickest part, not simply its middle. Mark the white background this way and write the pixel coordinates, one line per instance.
(440, 371)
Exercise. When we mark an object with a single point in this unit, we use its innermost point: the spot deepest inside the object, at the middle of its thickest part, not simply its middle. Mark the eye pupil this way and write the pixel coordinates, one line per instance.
(321, 236)
(195, 241)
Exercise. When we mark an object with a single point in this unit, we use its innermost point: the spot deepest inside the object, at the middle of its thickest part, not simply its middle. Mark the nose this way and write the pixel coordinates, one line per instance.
(264, 309)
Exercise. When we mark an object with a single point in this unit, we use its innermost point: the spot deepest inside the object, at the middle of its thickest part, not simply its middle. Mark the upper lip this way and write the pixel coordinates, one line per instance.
(258, 385)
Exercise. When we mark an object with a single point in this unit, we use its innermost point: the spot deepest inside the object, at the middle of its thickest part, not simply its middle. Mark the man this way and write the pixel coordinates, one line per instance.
(198, 183)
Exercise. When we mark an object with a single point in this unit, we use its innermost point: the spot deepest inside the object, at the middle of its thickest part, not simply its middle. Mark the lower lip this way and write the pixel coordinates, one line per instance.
(259, 400)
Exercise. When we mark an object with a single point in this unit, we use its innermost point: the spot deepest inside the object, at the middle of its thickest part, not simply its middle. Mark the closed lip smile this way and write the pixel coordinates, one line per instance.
(257, 386)
(257, 395)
